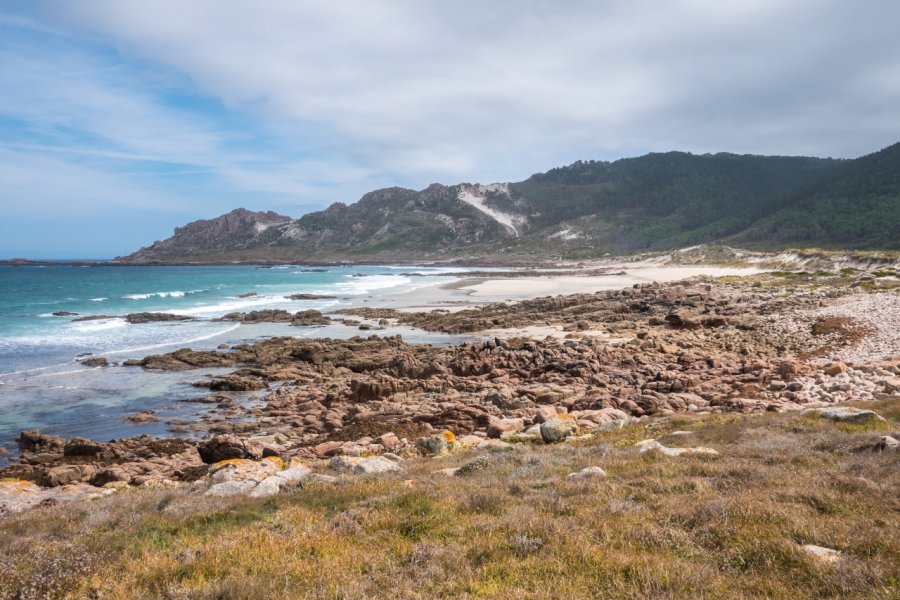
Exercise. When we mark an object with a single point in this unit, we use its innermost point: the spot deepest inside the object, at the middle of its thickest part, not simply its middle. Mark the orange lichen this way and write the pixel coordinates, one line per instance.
(449, 437)
(227, 462)
(275, 460)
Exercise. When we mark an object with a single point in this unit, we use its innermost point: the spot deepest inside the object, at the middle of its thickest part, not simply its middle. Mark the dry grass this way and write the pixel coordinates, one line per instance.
(511, 527)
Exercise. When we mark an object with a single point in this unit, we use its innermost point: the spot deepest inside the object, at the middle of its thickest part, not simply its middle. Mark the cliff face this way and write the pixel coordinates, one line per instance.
(583, 210)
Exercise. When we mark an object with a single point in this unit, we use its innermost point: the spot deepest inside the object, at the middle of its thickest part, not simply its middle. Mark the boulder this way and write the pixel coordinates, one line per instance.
(364, 466)
(498, 427)
(890, 385)
(442, 443)
(242, 469)
(79, 446)
(651, 444)
(33, 439)
(587, 473)
(389, 440)
(887, 443)
(231, 488)
(682, 319)
(845, 414)
(544, 412)
(63, 474)
(227, 446)
(835, 368)
(822, 555)
(558, 428)
(151, 317)
(96, 361)
(111, 474)
(790, 369)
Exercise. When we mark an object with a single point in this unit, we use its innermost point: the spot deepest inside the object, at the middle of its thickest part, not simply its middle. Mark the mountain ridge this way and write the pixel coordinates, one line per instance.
(586, 209)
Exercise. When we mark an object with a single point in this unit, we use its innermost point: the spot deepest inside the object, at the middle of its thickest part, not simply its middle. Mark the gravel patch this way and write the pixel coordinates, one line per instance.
(879, 312)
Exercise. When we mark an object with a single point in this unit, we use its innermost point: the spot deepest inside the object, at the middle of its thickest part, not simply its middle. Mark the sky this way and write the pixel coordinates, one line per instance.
(120, 120)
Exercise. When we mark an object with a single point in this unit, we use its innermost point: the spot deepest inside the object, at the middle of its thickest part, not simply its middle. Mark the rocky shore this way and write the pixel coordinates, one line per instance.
(769, 343)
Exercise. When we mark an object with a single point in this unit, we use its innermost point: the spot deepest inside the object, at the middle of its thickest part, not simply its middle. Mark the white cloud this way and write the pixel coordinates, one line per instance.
(453, 88)
(314, 102)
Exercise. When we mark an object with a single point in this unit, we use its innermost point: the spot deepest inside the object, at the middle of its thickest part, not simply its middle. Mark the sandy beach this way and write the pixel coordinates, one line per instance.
(477, 291)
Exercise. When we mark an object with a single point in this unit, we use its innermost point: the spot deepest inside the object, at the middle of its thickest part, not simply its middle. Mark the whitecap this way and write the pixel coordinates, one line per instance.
(171, 294)
(98, 325)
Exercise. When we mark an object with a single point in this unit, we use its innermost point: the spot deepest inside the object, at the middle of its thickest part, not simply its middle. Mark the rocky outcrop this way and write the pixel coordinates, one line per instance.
(374, 396)
(221, 236)
(301, 318)
(152, 317)
(225, 447)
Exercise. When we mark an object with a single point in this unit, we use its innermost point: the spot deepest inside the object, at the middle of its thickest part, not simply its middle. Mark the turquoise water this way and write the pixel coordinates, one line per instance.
(43, 384)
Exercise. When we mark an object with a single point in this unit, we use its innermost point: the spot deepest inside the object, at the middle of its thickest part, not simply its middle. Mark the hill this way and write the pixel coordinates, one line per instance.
(586, 209)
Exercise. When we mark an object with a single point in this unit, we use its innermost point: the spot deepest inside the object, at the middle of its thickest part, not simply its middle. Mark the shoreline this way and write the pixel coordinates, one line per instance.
(703, 345)
(470, 292)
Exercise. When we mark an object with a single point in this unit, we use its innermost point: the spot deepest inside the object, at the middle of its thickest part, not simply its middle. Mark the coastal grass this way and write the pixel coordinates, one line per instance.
(510, 526)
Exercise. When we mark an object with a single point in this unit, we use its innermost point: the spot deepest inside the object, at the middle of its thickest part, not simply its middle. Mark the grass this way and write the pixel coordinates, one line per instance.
(511, 527)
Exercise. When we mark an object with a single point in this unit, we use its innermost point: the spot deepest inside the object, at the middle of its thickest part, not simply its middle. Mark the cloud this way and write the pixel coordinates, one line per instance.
(454, 88)
(197, 107)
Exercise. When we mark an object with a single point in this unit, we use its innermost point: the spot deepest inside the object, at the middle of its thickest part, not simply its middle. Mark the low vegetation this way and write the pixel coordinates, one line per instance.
(509, 525)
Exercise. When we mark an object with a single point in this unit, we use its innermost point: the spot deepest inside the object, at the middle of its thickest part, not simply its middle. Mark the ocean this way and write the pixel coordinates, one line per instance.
(44, 385)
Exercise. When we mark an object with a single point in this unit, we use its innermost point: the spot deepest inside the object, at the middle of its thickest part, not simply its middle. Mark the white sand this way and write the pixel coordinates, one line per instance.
(494, 290)
(484, 290)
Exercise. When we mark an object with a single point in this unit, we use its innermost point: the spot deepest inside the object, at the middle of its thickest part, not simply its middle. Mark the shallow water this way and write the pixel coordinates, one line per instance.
(44, 386)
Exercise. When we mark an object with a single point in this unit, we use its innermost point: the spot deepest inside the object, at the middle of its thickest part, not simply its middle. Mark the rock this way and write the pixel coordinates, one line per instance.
(309, 297)
(651, 444)
(611, 425)
(65, 313)
(790, 369)
(822, 555)
(558, 428)
(152, 317)
(442, 443)
(364, 466)
(231, 488)
(890, 385)
(587, 473)
(682, 319)
(110, 474)
(544, 413)
(887, 443)
(259, 316)
(326, 449)
(79, 446)
(498, 427)
(248, 295)
(63, 474)
(309, 317)
(449, 472)
(16, 495)
(845, 414)
(265, 488)
(97, 361)
(33, 439)
(242, 469)
(389, 441)
(835, 368)
(295, 472)
(226, 446)
(233, 383)
(143, 417)
(469, 441)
